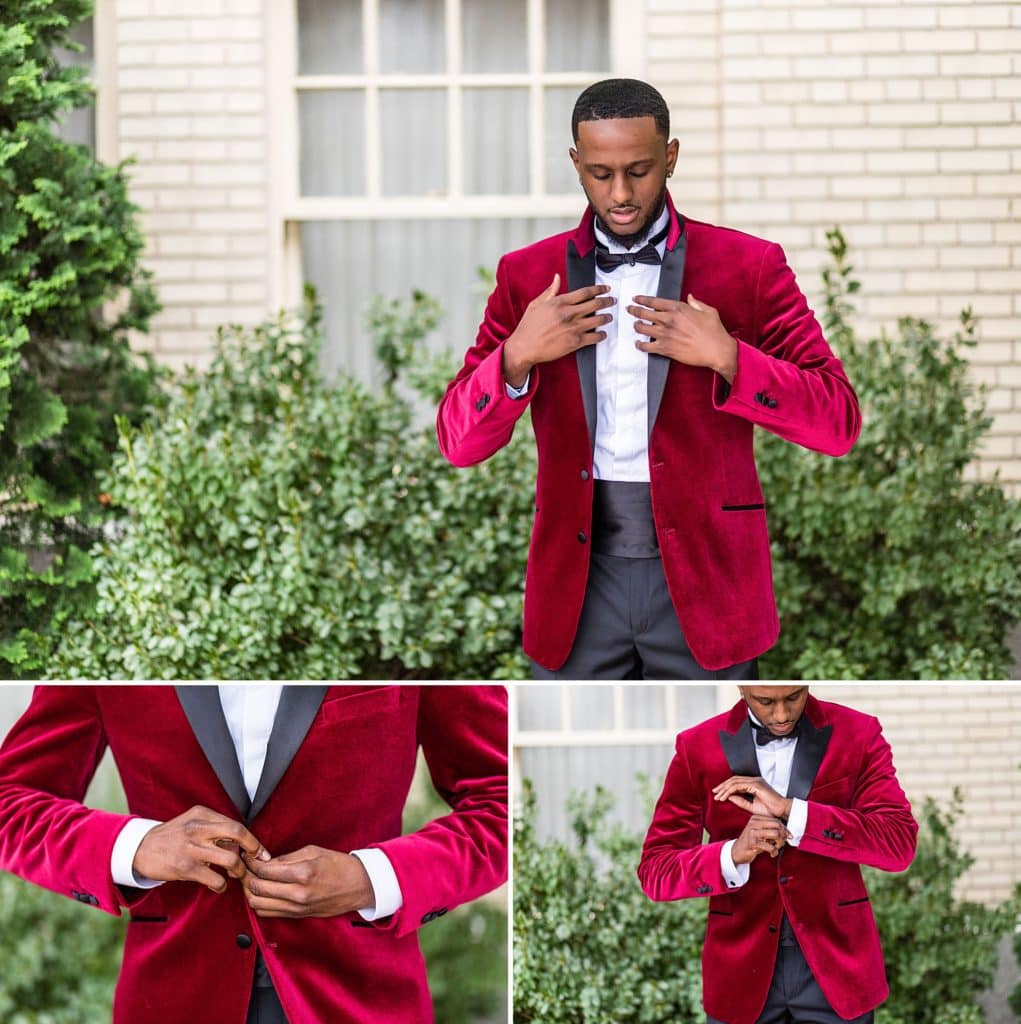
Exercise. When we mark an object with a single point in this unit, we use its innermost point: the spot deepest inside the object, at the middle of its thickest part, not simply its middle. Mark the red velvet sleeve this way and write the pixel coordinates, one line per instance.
(788, 380)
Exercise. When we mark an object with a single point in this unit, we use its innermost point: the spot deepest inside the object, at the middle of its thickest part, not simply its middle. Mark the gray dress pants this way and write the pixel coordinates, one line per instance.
(794, 995)
(265, 1008)
(629, 629)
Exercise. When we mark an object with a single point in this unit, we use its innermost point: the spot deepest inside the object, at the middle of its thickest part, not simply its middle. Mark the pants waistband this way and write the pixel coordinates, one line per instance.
(622, 523)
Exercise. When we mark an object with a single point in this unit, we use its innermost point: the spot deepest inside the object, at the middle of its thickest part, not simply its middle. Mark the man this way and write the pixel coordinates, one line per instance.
(795, 794)
(647, 347)
(262, 860)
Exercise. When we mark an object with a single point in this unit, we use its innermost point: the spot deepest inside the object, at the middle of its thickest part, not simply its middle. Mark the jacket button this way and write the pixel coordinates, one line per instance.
(783, 879)
(584, 474)
(581, 537)
(772, 927)
(94, 901)
(243, 940)
(771, 403)
(760, 397)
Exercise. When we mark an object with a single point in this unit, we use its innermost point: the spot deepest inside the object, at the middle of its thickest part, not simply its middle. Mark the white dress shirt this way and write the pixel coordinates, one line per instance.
(250, 711)
(775, 759)
(622, 371)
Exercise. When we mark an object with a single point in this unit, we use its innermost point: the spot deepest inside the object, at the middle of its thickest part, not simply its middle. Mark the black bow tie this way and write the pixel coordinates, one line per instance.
(764, 736)
(609, 261)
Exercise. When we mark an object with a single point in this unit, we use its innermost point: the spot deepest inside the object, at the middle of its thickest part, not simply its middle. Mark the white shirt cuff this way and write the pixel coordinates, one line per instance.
(735, 875)
(123, 855)
(797, 821)
(385, 887)
(516, 393)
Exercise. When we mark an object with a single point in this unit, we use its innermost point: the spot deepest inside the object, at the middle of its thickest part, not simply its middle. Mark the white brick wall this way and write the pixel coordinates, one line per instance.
(897, 120)
(192, 113)
(966, 735)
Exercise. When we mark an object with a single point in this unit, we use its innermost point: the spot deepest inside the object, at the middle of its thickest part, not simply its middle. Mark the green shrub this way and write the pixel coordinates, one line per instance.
(70, 244)
(589, 948)
(60, 959)
(890, 563)
(281, 526)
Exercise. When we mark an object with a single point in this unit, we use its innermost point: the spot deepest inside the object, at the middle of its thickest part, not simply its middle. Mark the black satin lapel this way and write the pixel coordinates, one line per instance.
(298, 706)
(202, 707)
(671, 273)
(808, 755)
(581, 272)
(739, 750)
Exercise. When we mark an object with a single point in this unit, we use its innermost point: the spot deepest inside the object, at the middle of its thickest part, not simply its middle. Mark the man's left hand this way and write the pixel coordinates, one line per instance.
(689, 332)
(311, 882)
(754, 795)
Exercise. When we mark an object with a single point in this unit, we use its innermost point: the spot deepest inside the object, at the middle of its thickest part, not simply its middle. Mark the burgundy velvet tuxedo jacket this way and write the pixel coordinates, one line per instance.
(707, 503)
(857, 814)
(338, 767)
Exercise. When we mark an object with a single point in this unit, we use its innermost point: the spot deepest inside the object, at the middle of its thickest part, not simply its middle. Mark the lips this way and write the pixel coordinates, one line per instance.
(624, 214)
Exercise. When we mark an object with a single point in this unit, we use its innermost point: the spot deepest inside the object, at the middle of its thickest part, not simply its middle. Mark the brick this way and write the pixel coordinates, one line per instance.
(976, 113)
(939, 41)
(844, 67)
(976, 161)
(900, 17)
(151, 30)
(903, 113)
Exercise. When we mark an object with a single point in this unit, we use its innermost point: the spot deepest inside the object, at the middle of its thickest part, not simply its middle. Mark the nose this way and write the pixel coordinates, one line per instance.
(620, 193)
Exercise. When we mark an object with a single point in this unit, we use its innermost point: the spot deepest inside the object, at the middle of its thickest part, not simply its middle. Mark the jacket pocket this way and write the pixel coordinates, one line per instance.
(851, 903)
(756, 507)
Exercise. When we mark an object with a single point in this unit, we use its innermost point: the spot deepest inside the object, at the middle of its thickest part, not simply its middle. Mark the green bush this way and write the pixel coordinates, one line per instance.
(60, 960)
(281, 526)
(890, 563)
(70, 245)
(590, 948)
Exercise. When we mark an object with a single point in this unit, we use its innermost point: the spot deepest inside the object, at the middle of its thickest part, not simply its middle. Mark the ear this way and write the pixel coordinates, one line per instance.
(575, 159)
(672, 149)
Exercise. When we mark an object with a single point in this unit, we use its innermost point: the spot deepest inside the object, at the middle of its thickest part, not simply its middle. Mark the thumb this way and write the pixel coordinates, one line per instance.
(554, 286)
(694, 303)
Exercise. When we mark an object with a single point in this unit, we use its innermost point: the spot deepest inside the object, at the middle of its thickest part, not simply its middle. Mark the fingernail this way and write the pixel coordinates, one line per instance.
(264, 854)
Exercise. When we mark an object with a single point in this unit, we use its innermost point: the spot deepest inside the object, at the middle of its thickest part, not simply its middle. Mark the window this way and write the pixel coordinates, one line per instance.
(424, 138)
(79, 125)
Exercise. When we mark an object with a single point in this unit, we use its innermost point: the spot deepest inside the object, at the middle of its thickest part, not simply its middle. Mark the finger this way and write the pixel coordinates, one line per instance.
(280, 869)
(222, 828)
(745, 803)
(648, 346)
(590, 291)
(277, 908)
(592, 305)
(205, 875)
(554, 287)
(224, 857)
(702, 307)
(650, 329)
(655, 302)
(291, 892)
(591, 338)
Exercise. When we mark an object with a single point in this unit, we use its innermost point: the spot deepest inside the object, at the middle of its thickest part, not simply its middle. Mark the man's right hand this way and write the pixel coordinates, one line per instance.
(186, 848)
(762, 834)
(553, 326)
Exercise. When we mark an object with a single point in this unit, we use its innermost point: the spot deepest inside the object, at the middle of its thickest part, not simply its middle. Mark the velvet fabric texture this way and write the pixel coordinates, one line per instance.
(857, 814)
(707, 502)
(345, 789)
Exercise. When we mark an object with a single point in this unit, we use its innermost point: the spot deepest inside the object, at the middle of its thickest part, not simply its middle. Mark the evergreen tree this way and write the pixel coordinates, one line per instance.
(71, 290)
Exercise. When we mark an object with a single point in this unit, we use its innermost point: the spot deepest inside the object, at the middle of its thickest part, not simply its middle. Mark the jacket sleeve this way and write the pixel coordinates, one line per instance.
(878, 828)
(476, 417)
(47, 836)
(675, 863)
(462, 855)
(788, 380)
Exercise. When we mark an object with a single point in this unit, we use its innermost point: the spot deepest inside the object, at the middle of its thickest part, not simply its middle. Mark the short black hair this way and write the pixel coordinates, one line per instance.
(621, 97)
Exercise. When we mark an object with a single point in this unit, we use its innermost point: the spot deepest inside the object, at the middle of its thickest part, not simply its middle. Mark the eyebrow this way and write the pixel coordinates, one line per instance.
(631, 166)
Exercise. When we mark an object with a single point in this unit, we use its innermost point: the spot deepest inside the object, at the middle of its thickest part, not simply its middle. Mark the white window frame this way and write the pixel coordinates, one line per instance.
(290, 209)
(616, 735)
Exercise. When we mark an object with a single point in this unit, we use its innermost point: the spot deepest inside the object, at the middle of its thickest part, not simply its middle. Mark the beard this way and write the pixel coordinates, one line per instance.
(643, 232)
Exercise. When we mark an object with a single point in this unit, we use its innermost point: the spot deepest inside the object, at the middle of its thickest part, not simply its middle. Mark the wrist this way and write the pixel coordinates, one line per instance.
(515, 367)
(726, 362)
(788, 806)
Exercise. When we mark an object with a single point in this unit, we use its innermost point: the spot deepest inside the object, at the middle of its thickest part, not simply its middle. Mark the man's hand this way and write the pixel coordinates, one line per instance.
(311, 882)
(762, 834)
(689, 332)
(553, 326)
(188, 847)
(764, 800)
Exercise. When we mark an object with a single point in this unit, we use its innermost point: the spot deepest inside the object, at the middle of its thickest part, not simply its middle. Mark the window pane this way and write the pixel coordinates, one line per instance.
(591, 707)
(332, 127)
(414, 131)
(495, 35)
(329, 37)
(541, 711)
(411, 35)
(79, 125)
(561, 177)
(350, 261)
(577, 35)
(496, 141)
